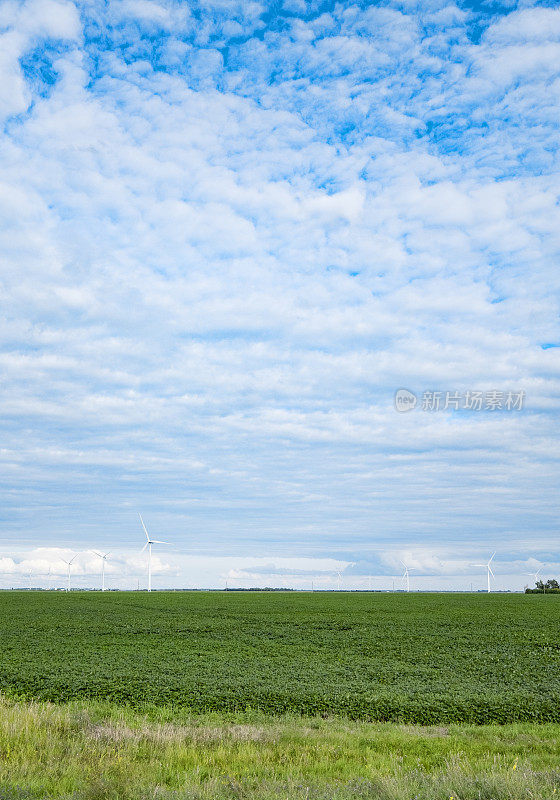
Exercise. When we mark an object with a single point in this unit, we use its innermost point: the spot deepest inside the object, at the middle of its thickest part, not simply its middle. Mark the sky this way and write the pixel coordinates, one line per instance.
(230, 232)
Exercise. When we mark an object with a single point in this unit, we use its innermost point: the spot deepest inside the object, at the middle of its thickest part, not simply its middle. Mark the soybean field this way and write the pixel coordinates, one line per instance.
(413, 658)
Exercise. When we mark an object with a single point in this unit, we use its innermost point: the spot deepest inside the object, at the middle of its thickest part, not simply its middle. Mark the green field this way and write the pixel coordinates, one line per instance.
(426, 659)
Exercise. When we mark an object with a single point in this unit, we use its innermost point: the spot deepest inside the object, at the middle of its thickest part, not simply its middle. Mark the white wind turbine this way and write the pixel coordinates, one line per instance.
(406, 576)
(69, 564)
(149, 544)
(488, 568)
(103, 558)
(49, 577)
(534, 575)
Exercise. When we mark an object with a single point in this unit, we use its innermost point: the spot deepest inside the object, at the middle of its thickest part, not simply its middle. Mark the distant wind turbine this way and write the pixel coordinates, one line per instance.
(406, 576)
(534, 575)
(103, 558)
(149, 544)
(488, 568)
(338, 581)
(69, 564)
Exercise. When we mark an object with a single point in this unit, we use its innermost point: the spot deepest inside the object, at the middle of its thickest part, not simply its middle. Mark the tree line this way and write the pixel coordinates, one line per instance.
(551, 586)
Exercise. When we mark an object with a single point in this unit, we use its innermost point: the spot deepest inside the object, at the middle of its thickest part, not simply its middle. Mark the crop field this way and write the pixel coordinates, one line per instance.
(427, 659)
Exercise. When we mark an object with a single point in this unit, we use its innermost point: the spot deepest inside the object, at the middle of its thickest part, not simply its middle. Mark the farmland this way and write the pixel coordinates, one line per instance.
(422, 659)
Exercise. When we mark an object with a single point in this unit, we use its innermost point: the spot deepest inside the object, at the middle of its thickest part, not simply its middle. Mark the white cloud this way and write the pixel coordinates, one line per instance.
(527, 25)
(449, 569)
(26, 24)
(219, 264)
(49, 18)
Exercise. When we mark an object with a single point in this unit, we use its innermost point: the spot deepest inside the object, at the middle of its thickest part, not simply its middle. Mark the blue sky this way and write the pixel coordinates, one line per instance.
(231, 231)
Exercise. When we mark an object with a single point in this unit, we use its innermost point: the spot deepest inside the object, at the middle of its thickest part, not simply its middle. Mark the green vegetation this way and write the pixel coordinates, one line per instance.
(420, 658)
(552, 586)
(94, 751)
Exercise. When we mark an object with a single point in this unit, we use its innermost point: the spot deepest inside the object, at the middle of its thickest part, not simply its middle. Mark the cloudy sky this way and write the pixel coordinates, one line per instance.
(230, 231)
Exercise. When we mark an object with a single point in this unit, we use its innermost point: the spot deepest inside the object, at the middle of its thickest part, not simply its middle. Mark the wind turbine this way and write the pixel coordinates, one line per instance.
(534, 575)
(149, 544)
(69, 564)
(488, 568)
(406, 576)
(338, 581)
(103, 559)
(49, 578)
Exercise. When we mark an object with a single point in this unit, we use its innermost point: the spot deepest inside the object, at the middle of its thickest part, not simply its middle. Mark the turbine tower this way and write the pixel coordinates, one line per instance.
(103, 558)
(149, 544)
(69, 564)
(488, 569)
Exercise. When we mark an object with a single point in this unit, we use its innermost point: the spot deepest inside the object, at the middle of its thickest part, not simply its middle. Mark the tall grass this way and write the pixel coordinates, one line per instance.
(86, 751)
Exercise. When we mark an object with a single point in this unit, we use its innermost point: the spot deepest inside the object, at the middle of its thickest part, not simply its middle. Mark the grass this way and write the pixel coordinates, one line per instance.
(417, 658)
(92, 750)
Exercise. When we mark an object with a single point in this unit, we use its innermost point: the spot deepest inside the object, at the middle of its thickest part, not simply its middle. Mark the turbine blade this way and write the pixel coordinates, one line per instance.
(147, 543)
(491, 557)
(158, 541)
(490, 571)
(97, 554)
(145, 531)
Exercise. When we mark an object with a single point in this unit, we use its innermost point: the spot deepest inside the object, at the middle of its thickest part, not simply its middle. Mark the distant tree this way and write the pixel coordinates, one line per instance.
(551, 585)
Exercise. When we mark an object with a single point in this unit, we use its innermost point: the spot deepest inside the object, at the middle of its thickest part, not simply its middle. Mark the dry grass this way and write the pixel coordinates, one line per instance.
(431, 731)
(168, 733)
